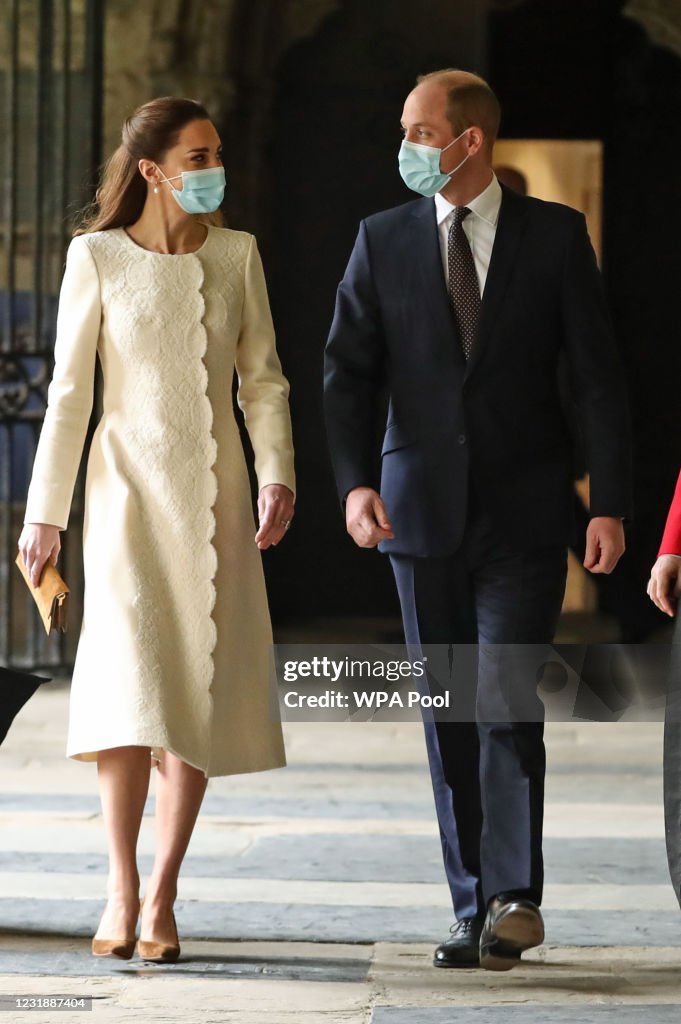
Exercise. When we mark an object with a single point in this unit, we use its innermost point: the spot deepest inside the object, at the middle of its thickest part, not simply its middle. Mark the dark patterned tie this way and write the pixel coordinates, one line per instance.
(464, 290)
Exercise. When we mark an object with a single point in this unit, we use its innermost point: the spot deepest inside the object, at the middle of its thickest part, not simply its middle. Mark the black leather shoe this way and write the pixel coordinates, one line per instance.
(462, 948)
(512, 925)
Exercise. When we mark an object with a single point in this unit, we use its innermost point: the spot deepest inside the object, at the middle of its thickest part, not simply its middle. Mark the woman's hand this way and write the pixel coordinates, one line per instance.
(275, 511)
(664, 585)
(38, 543)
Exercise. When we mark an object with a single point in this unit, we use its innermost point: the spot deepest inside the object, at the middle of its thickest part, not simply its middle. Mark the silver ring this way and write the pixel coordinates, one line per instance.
(285, 523)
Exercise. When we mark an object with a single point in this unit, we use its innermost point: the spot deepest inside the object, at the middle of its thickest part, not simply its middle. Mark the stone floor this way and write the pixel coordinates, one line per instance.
(315, 893)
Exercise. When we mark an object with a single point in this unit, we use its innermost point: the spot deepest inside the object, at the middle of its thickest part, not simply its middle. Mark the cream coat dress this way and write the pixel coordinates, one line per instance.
(175, 647)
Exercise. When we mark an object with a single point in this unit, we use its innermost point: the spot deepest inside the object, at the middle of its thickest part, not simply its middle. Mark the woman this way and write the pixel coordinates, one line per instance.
(173, 660)
(664, 588)
(664, 585)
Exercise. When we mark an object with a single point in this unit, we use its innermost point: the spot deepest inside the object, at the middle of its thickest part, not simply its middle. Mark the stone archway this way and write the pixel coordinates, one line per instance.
(661, 20)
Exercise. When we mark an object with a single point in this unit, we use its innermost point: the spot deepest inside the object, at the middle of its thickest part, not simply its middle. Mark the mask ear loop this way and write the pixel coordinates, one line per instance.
(454, 140)
(455, 169)
(174, 178)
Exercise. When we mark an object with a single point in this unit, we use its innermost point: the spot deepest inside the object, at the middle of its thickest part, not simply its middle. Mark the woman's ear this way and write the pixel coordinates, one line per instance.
(149, 171)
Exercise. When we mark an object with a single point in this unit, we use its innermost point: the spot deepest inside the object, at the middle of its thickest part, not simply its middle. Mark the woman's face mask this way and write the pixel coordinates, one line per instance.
(202, 190)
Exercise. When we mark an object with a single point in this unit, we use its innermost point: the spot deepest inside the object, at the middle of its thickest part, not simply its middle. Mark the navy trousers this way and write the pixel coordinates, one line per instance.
(487, 774)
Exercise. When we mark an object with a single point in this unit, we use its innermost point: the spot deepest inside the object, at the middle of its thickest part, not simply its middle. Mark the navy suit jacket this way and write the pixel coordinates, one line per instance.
(498, 416)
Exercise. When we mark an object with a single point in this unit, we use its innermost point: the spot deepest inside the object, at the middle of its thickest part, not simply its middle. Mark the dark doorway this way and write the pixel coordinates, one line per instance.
(335, 138)
(591, 72)
(587, 72)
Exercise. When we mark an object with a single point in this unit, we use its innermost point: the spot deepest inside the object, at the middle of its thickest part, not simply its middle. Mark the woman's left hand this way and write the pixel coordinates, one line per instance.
(664, 585)
(275, 513)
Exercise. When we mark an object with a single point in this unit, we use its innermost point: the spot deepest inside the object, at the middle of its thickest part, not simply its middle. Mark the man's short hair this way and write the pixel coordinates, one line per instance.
(470, 101)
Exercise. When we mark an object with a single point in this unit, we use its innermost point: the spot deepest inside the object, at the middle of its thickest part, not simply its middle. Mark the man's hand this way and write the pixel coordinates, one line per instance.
(366, 518)
(604, 544)
(664, 585)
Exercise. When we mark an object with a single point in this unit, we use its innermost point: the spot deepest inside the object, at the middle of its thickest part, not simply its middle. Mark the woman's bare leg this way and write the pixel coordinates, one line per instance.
(179, 792)
(123, 774)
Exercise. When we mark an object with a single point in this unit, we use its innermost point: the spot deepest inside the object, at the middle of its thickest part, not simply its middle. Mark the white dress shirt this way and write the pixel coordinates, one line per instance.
(480, 226)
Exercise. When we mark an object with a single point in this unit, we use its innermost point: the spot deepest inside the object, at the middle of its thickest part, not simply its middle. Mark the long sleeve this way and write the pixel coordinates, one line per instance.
(354, 368)
(70, 394)
(597, 380)
(671, 538)
(263, 389)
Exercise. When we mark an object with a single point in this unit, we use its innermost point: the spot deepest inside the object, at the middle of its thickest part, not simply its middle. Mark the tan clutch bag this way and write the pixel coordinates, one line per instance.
(50, 595)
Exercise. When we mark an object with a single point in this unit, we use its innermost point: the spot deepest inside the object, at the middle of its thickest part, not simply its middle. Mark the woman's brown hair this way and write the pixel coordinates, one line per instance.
(147, 134)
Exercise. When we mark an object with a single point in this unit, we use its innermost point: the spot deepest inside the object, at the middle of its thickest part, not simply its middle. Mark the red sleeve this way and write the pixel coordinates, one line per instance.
(671, 539)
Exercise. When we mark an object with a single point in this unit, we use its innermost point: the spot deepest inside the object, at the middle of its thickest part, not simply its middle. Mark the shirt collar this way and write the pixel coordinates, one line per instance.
(486, 205)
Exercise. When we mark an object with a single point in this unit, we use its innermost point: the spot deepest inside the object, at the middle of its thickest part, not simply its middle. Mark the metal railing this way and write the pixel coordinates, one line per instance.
(51, 124)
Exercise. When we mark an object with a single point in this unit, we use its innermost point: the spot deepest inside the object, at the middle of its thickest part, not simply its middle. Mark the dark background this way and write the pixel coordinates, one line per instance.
(307, 96)
(579, 70)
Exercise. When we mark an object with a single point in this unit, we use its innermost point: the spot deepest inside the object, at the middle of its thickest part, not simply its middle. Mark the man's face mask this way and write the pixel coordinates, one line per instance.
(420, 166)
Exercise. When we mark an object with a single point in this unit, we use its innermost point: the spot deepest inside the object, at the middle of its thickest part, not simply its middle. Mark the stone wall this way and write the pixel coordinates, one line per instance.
(197, 48)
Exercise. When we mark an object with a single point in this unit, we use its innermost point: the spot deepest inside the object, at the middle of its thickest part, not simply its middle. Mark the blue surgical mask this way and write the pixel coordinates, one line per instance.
(202, 190)
(420, 166)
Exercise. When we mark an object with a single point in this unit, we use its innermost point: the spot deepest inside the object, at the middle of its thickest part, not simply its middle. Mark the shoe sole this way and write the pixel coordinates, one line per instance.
(172, 959)
(515, 932)
(456, 966)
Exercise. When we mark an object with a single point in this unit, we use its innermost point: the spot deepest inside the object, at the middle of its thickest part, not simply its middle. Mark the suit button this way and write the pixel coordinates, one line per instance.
(461, 438)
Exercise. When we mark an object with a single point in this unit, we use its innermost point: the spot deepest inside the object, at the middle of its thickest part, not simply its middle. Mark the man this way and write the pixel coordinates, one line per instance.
(462, 301)
(664, 590)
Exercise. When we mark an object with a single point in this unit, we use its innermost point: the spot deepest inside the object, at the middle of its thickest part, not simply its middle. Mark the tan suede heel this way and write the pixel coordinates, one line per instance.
(121, 948)
(159, 952)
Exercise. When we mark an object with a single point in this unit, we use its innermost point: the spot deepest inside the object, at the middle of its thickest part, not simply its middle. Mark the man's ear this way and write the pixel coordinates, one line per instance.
(477, 138)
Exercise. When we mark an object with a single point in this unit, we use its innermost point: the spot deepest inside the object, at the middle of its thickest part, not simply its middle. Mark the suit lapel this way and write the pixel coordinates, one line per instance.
(424, 252)
(510, 229)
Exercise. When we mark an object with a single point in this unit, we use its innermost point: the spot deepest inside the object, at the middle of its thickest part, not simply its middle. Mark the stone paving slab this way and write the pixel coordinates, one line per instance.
(635, 782)
(210, 960)
(599, 898)
(561, 820)
(214, 834)
(650, 1014)
(234, 807)
(291, 922)
(303, 850)
(551, 979)
(151, 997)
(547, 975)
(349, 857)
